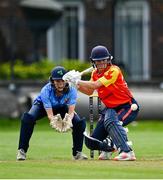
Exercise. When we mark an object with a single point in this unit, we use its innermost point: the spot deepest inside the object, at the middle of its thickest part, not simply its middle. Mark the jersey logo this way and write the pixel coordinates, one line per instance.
(108, 75)
(66, 100)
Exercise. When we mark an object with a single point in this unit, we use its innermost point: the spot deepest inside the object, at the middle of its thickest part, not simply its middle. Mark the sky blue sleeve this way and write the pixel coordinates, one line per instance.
(45, 94)
(73, 96)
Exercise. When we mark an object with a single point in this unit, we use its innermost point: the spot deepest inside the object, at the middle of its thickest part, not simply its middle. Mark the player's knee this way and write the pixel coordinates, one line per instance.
(27, 118)
(80, 125)
(130, 118)
(110, 117)
(83, 126)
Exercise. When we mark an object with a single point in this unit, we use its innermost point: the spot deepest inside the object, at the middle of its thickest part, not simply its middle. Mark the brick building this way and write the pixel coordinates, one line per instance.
(131, 29)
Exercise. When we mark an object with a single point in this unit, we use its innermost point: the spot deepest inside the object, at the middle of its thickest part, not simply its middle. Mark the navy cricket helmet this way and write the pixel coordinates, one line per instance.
(57, 73)
(100, 53)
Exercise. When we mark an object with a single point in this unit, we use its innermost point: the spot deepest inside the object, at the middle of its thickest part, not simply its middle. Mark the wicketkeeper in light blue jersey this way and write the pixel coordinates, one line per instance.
(57, 101)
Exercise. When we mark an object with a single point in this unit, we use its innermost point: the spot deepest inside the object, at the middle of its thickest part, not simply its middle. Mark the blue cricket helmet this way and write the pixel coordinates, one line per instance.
(100, 53)
(57, 73)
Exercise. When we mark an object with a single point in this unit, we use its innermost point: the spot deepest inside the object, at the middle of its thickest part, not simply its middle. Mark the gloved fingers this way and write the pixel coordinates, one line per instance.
(67, 78)
(58, 129)
(65, 116)
(72, 76)
(59, 118)
(66, 129)
(68, 75)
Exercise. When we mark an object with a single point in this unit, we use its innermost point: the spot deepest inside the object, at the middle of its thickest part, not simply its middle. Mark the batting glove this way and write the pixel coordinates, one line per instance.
(72, 76)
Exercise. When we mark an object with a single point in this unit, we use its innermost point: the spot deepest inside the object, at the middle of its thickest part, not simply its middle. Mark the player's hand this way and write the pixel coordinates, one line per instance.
(68, 76)
(72, 77)
(56, 122)
(67, 123)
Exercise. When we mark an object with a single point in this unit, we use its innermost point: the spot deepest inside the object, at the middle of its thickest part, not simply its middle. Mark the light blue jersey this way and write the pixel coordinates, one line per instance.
(49, 99)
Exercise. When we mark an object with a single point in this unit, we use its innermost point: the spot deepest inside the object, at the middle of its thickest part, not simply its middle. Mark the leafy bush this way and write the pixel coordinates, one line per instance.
(38, 70)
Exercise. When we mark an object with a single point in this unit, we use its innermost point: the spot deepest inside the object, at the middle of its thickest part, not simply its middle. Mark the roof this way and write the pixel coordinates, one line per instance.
(42, 4)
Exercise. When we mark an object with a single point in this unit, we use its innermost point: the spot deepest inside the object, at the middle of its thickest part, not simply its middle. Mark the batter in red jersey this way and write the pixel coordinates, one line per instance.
(114, 91)
(120, 106)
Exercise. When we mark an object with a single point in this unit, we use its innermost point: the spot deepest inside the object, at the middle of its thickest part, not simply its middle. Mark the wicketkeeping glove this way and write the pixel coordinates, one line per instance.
(67, 123)
(56, 122)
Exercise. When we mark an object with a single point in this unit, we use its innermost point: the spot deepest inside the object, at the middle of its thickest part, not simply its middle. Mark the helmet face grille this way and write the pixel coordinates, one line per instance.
(99, 53)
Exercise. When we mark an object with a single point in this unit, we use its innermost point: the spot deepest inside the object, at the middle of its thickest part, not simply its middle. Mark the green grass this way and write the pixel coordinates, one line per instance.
(49, 155)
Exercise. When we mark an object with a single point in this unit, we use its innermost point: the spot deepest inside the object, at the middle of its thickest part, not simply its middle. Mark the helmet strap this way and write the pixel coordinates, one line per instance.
(109, 61)
(93, 63)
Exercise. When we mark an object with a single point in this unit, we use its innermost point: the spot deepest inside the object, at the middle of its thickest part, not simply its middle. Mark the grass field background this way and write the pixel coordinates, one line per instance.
(49, 155)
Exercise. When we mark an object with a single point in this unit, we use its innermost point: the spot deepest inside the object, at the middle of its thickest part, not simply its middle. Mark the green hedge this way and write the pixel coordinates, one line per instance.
(39, 70)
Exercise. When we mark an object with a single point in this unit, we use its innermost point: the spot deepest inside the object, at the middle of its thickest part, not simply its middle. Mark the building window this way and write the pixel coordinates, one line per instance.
(66, 38)
(132, 38)
(72, 32)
